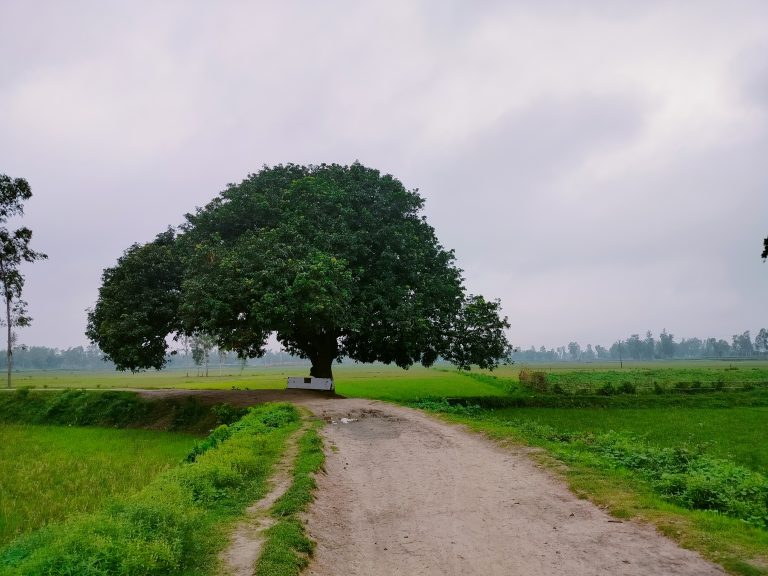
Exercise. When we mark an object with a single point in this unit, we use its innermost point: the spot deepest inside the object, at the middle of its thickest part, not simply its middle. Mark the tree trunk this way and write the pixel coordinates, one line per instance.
(322, 366)
(9, 351)
(323, 353)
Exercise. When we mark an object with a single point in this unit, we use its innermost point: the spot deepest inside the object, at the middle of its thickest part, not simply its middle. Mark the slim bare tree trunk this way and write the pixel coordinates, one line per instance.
(10, 337)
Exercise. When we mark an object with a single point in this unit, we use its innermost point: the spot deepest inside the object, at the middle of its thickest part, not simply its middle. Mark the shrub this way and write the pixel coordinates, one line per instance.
(719, 384)
(226, 413)
(190, 411)
(627, 388)
(683, 387)
(536, 380)
(607, 389)
(447, 407)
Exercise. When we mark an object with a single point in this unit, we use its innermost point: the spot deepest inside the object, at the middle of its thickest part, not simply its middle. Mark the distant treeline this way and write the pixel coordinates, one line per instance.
(91, 358)
(665, 347)
(201, 354)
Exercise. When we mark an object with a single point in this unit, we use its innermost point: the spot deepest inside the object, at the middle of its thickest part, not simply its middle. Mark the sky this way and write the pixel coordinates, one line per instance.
(599, 166)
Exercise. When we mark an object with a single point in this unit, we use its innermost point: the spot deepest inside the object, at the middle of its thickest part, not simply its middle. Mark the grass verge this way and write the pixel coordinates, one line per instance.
(287, 548)
(175, 524)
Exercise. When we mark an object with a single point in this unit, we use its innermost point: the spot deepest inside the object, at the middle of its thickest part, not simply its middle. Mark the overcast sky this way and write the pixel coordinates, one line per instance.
(603, 169)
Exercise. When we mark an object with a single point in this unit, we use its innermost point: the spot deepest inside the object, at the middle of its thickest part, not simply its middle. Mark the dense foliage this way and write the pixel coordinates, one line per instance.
(337, 260)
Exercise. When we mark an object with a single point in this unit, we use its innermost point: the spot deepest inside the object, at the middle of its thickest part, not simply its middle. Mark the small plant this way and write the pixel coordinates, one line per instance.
(446, 407)
(627, 388)
(683, 387)
(188, 413)
(226, 413)
(533, 379)
(607, 389)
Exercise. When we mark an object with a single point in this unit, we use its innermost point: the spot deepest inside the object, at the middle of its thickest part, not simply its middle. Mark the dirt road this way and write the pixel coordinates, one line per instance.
(405, 494)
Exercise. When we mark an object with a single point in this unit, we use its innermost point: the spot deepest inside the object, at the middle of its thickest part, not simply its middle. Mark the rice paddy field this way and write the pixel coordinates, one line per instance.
(739, 434)
(370, 381)
(50, 473)
(391, 382)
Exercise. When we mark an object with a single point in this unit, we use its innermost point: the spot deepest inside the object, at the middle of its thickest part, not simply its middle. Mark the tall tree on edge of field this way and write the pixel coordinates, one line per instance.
(765, 248)
(14, 249)
(337, 260)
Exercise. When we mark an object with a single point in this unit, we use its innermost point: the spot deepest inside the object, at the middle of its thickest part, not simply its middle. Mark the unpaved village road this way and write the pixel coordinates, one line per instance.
(404, 494)
(407, 495)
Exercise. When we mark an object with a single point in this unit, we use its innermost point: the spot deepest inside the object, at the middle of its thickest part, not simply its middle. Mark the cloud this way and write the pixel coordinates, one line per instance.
(599, 166)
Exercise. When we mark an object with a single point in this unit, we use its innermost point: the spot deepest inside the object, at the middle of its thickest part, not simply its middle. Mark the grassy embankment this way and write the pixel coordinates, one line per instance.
(176, 523)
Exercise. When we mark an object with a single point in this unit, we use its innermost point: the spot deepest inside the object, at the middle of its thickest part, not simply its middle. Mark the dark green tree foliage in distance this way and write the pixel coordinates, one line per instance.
(765, 249)
(337, 260)
(14, 250)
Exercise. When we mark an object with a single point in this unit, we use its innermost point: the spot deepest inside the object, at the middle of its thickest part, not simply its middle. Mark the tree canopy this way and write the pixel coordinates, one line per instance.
(338, 261)
(765, 249)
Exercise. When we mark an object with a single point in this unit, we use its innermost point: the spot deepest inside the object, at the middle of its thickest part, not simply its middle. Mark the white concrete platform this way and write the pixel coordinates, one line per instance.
(310, 383)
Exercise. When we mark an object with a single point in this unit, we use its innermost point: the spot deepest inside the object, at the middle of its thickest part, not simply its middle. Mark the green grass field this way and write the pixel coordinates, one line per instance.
(261, 378)
(370, 381)
(51, 472)
(739, 434)
(394, 384)
(665, 367)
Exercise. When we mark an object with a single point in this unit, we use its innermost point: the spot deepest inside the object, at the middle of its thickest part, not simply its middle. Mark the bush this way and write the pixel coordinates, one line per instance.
(190, 411)
(226, 413)
(446, 407)
(607, 389)
(535, 380)
(627, 388)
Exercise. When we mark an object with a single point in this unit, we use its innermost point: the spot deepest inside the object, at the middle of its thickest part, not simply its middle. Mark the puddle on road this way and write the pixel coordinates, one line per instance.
(365, 424)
